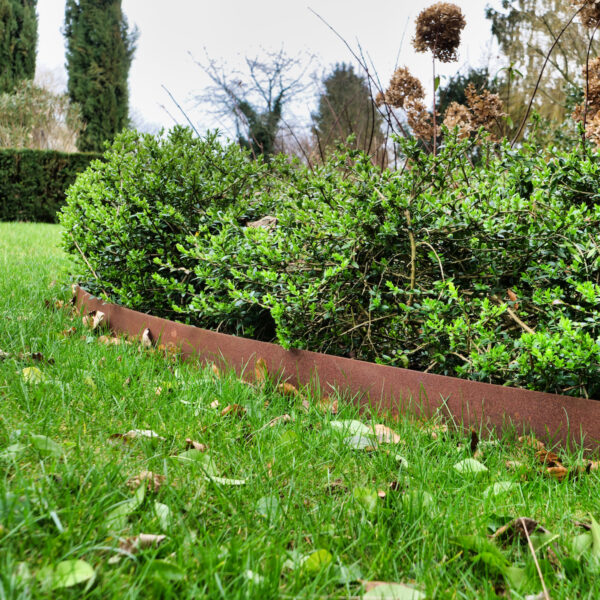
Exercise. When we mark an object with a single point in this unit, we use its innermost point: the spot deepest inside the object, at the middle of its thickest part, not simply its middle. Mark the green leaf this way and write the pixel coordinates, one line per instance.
(351, 427)
(595, 531)
(164, 515)
(367, 498)
(166, 570)
(32, 375)
(44, 445)
(117, 518)
(268, 507)
(501, 487)
(11, 452)
(417, 499)
(581, 544)
(66, 574)
(359, 442)
(470, 466)
(346, 575)
(516, 577)
(393, 591)
(201, 459)
(316, 561)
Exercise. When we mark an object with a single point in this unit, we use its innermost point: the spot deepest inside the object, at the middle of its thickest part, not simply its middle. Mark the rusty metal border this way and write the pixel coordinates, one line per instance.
(555, 418)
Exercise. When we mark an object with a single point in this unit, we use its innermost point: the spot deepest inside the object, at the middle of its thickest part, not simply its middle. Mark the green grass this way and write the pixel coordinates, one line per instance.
(305, 488)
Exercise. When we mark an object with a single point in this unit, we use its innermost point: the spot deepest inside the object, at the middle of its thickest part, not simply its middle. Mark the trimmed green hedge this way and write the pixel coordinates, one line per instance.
(33, 183)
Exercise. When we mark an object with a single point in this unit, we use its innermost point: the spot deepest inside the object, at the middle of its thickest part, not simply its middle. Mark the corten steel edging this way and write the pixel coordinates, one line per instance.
(387, 389)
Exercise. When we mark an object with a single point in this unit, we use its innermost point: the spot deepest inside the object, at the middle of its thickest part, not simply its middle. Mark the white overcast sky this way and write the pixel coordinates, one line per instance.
(171, 30)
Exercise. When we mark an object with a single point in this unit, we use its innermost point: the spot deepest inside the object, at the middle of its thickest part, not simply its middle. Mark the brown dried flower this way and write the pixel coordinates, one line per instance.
(458, 115)
(486, 108)
(590, 12)
(402, 87)
(438, 30)
(591, 102)
(379, 99)
(419, 119)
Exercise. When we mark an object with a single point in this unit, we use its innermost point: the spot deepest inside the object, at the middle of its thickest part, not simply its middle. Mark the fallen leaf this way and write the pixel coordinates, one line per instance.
(68, 332)
(385, 435)
(513, 298)
(474, 441)
(287, 389)
(4, 355)
(382, 590)
(328, 405)
(109, 340)
(435, 430)
(280, 419)
(234, 410)
(32, 375)
(269, 223)
(153, 481)
(513, 465)
(261, 371)
(559, 472)
(336, 486)
(594, 465)
(316, 561)
(305, 405)
(548, 459)
(214, 404)
(46, 446)
(500, 487)
(516, 528)
(529, 440)
(215, 370)
(134, 544)
(147, 338)
(470, 465)
(135, 434)
(226, 481)
(191, 444)
(65, 574)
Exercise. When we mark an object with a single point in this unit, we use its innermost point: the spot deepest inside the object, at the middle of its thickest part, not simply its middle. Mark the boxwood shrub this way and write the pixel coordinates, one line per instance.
(489, 271)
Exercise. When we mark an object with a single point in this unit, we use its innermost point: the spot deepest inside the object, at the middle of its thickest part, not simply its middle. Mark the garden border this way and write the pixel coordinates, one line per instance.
(555, 418)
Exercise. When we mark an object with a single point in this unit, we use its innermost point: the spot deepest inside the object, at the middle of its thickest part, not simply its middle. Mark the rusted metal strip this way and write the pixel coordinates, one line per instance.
(386, 389)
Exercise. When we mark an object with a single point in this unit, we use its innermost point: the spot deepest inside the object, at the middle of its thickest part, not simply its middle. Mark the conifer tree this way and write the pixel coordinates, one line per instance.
(346, 108)
(100, 48)
(18, 42)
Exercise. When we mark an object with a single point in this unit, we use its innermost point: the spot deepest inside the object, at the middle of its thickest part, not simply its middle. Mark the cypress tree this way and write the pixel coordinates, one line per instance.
(100, 49)
(346, 108)
(18, 42)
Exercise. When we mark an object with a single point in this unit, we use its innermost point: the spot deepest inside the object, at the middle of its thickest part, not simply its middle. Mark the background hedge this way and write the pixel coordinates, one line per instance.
(33, 182)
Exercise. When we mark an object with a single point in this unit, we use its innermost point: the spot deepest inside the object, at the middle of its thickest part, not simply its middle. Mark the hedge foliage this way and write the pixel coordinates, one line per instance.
(489, 271)
(33, 183)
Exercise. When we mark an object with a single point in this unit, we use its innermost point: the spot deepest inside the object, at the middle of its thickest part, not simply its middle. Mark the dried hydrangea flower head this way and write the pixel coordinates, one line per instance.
(419, 119)
(438, 30)
(591, 101)
(379, 99)
(402, 87)
(458, 115)
(486, 108)
(590, 12)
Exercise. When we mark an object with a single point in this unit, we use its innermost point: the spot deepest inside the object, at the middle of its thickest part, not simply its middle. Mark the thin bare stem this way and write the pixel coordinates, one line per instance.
(535, 560)
(181, 110)
(537, 85)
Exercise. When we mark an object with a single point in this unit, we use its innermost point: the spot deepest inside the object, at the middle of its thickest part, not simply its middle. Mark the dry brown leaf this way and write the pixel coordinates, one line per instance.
(280, 419)
(594, 465)
(214, 404)
(385, 435)
(435, 430)
(381, 493)
(234, 410)
(147, 338)
(513, 465)
(261, 371)
(305, 405)
(136, 434)
(68, 332)
(153, 481)
(474, 441)
(559, 472)
(158, 391)
(517, 527)
(215, 370)
(191, 444)
(529, 440)
(548, 459)
(328, 405)
(270, 468)
(134, 544)
(287, 389)
(513, 298)
(269, 223)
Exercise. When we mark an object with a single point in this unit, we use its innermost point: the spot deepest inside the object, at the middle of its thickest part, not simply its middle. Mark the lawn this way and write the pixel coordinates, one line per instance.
(224, 490)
